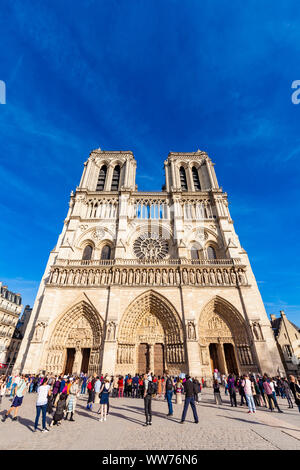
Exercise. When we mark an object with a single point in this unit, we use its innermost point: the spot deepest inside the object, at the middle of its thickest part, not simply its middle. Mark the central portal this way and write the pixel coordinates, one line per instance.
(151, 358)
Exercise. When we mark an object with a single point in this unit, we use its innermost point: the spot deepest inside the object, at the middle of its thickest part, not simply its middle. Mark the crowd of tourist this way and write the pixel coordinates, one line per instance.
(57, 395)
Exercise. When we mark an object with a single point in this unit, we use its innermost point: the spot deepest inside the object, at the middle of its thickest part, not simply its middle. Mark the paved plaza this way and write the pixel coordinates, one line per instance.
(220, 427)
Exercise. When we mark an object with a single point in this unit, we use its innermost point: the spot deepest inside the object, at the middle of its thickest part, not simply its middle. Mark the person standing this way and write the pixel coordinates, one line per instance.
(232, 390)
(97, 388)
(83, 384)
(2, 389)
(148, 393)
(135, 386)
(169, 392)
(41, 404)
(179, 391)
(104, 401)
(20, 391)
(246, 384)
(72, 398)
(295, 389)
(217, 392)
(60, 410)
(91, 394)
(121, 386)
(190, 389)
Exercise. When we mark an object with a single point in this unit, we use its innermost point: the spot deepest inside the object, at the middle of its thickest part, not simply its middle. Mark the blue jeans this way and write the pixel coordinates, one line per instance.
(189, 401)
(83, 388)
(39, 409)
(250, 402)
(169, 394)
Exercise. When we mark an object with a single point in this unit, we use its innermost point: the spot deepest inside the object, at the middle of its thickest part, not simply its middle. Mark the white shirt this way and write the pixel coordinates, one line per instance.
(272, 386)
(42, 398)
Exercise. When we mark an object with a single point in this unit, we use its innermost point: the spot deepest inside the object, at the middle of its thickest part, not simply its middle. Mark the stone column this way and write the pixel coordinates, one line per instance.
(108, 178)
(221, 358)
(151, 357)
(77, 361)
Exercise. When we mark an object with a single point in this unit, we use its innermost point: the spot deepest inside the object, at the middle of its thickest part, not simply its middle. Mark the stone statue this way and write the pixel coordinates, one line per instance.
(191, 330)
(158, 276)
(192, 277)
(165, 277)
(117, 276)
(137, 277)
(171, 277)
(151, 277)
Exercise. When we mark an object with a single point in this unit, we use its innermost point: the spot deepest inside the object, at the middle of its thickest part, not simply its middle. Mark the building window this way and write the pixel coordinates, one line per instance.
(196, 179)
(101, 178)
(211, 253)
(183, 181)
(87, 252)
(106, 252)
(115, 178)
(288, 350)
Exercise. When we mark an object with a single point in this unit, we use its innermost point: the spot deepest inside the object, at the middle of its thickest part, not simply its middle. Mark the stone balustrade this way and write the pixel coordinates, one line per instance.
(226, 272)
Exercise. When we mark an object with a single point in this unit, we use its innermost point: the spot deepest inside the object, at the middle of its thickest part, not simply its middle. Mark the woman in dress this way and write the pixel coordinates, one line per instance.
(72, 398)
(121, 386)
(104, 401)
(179, 391)
(159, 387)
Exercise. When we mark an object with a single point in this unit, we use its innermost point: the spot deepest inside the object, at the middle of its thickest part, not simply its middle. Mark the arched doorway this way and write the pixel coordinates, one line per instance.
(224, 340)
(76, 341)
(150, 337)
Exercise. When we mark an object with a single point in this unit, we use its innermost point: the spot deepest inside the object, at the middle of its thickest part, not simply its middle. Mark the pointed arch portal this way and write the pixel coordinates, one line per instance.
(76, 341)
(150, 337)
(224, 339)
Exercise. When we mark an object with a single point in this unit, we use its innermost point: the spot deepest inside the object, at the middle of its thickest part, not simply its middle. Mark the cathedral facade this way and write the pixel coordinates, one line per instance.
(148, 280)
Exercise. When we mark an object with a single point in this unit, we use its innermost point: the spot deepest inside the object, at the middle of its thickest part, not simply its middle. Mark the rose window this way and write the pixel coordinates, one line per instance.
(150, 246)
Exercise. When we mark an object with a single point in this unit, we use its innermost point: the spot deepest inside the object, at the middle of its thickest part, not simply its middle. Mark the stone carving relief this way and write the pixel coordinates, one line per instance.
(39, 332)
(257, 331)
(150, 276)
(191, 330)
(111, 331)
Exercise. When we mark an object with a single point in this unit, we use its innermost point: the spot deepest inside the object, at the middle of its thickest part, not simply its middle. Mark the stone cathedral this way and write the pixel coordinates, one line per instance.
(144, 281)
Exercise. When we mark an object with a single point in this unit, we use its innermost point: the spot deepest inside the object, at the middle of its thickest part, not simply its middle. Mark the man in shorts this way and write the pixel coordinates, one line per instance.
(17, 402)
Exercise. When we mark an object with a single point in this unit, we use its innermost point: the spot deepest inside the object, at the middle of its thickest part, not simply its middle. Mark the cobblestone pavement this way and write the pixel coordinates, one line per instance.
(220, 427)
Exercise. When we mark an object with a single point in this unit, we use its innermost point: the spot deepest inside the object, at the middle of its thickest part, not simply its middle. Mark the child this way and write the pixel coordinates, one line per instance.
(217, 394)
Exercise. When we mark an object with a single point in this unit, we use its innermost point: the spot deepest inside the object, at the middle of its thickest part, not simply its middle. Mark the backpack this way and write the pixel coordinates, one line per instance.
(151, 388)
(89, 387)
(169, 385)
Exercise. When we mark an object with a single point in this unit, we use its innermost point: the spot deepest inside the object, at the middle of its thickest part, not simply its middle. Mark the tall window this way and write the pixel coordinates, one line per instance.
(87, 252)
(195, 252)
(106, 252)
(101, 178)
(196, 179)
(115, 178)
(183, 181)
(211, 253)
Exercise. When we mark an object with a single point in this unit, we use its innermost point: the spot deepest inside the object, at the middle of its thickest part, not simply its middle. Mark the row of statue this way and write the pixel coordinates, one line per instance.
(145, 277)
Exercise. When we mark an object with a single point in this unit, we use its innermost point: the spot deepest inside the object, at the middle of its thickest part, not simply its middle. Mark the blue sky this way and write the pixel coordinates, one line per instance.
(152, 77)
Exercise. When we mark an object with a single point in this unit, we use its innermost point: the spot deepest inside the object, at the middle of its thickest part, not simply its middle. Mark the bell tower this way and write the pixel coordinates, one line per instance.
(190, 172)
(109, 171)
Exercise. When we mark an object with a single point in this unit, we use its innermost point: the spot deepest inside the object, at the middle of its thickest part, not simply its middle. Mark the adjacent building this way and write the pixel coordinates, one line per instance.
(18, 335)
(10, 309)
(287, 336)
(148, 280)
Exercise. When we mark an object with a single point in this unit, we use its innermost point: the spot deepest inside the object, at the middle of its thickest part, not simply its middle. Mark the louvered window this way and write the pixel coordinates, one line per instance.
(101, 178)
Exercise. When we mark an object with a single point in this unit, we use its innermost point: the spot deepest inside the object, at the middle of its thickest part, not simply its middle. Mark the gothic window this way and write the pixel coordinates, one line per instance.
(196, 179)
(195, 252)
(115, 178)
(101, 178)
(106, 252)
(183, 181)
(211, 253)
(87, 252)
